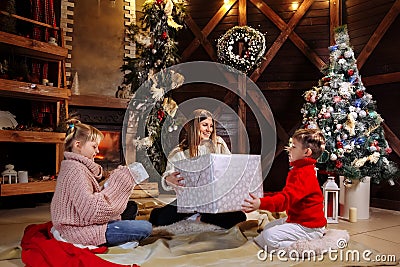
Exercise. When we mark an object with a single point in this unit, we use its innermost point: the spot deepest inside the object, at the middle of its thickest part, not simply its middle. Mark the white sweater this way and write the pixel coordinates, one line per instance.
(177, 154)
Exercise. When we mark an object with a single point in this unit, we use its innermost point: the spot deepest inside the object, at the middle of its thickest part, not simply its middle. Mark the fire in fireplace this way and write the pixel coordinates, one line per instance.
(110, 153)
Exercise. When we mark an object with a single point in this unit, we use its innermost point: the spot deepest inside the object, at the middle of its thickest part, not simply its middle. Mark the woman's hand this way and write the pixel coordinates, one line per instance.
(252, 204)
(174, 180)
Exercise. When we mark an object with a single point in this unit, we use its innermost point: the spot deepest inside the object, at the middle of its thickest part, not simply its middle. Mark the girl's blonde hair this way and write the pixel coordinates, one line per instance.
(193, 139)
(78, 131)
(312, 139)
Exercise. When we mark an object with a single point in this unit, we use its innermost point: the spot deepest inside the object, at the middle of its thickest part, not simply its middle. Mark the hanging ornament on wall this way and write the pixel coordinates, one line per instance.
(254, 46)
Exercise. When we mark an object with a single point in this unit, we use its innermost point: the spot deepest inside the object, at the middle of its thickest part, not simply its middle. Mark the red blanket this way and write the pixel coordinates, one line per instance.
(40, 249)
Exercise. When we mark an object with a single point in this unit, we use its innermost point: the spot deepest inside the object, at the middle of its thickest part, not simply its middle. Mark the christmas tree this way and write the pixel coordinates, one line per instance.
(156, 50)
(154, 38)
(346, 114)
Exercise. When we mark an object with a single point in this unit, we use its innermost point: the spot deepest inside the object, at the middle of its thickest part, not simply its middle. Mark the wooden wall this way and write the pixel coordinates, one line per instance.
(295, 57)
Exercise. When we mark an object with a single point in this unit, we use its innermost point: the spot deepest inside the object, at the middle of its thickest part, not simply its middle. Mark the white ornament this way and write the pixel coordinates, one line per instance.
(372, 148)
(354, 114)
(362, 113)
(333, 157)
(348, 54)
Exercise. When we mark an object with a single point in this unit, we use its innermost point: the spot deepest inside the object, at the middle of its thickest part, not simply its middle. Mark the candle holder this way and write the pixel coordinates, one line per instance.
(9, 173)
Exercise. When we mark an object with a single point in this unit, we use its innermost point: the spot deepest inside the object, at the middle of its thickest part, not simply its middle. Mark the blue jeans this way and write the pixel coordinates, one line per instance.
(119, 232)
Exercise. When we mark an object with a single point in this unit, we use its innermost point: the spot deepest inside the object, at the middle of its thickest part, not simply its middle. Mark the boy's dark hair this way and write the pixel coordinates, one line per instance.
(312, 139)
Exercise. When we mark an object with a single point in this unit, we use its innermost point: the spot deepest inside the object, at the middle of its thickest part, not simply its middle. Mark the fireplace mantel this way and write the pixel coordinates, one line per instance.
(98, 101)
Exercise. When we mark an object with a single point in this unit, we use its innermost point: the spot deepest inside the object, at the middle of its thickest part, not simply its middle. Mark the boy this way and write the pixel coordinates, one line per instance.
(301, 197)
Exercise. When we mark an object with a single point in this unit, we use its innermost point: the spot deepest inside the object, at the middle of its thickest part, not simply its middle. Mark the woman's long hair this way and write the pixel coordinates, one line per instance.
(192, 139)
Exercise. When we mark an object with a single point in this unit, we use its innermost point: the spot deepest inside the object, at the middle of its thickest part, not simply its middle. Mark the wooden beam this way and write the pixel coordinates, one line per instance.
(259, 103)
(200, 37)
(207, 29)
(242, 13)
(293, 85)
(242, 148)
(271, 53)
(378, 34)
(381, 79)
(392, 139)
(334, 18)
(294, 37)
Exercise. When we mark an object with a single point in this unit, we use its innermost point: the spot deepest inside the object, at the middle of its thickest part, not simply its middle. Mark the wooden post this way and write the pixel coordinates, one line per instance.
(242, 87)
(242, 115)
(335, 7)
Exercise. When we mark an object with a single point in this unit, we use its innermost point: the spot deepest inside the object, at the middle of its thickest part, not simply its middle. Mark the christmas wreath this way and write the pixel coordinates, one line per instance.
(254, 46)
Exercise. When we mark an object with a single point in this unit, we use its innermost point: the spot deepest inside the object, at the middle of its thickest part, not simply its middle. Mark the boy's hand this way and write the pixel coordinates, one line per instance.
(252, 204)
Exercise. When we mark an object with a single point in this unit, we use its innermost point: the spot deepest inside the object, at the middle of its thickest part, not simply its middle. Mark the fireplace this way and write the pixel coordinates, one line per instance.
(109, 122)
(110, 150)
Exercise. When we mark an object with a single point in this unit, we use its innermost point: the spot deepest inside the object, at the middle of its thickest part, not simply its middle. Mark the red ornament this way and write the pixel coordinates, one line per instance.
(164, 35)
(160, 115)
(337, 98)
(159, 2)
(339, 144)
(338, 164)
(359, 93)
(388, 150)
(350, 72)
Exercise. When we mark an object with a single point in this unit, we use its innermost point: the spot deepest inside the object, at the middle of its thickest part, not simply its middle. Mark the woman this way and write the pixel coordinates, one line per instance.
(201, 139)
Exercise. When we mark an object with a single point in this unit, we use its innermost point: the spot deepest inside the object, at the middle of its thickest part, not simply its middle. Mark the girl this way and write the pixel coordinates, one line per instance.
(201, 139)
(82, 211)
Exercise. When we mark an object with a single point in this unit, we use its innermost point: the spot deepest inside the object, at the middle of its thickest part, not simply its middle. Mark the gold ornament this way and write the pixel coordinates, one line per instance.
(350, 125)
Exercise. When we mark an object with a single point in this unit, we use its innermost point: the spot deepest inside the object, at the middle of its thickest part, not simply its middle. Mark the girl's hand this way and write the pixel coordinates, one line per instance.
(174, 180)
(252, 204)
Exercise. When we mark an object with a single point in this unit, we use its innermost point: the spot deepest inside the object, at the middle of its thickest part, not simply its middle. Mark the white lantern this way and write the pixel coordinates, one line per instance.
(9, 174)
(331, 192)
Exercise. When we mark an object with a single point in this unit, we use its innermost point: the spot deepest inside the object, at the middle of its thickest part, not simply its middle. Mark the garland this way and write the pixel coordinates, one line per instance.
(253, 49)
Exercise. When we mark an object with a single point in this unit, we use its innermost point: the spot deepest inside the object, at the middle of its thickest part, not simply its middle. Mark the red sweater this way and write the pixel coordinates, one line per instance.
(301, 197)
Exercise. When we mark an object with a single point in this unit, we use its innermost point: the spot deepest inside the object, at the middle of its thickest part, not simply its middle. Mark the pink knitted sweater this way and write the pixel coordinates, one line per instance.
(80, 208)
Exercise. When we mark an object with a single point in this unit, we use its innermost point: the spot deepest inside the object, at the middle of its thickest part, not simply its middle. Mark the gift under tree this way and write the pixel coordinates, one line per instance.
(346, 114)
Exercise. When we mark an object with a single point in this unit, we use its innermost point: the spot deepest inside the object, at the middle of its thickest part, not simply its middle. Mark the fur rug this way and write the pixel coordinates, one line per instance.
(184, 227)
(188, 227)
(333, 239)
